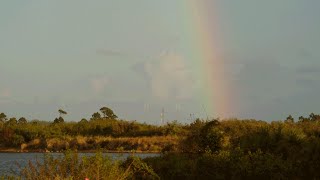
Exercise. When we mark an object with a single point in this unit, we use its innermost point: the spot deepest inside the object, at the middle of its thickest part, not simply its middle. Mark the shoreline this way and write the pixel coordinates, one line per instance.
(12, 150)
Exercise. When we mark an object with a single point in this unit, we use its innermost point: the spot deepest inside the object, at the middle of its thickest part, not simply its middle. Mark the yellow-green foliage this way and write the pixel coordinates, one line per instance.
(227, 149)
(71, 166)
(246, 149)
(107, 133)
(138, 144)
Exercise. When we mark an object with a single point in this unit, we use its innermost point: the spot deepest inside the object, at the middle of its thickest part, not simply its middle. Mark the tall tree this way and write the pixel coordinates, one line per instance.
(108, 113)
(303, 119)
(314, 117)
(62, 112)
(3, 117)
(289, 119)
(22, 120)
(12, 121)
(58, 120)
(96, 116)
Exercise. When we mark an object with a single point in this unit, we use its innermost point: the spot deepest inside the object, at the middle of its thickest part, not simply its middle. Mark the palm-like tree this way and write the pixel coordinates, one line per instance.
(108, 113)
(62, 112)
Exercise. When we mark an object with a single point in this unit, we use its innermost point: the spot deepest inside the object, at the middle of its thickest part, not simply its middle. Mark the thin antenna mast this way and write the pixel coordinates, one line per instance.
(205, 111)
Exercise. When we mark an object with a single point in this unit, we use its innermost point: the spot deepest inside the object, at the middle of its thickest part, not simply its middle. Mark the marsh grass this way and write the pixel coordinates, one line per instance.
(120, 144)
(72, 166)
(8, 178)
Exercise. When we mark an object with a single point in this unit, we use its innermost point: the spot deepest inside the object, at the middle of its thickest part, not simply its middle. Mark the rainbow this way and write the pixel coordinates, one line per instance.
(199, 22)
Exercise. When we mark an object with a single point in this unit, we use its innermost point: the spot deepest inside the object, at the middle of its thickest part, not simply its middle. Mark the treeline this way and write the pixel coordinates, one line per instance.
(101, 130)
(204, 149)
(245, 149)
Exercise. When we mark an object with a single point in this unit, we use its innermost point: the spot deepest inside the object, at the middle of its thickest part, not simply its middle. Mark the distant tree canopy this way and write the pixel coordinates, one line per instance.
(62, 112)
(289, 119)
(83, 120)
(12, 121)
(22, 120)
(58, 120)
(314, 117)
(3, 117)
(96, 116)
(108, 113)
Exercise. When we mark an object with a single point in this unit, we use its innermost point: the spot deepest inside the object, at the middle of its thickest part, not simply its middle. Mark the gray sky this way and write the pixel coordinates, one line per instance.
(80, 55)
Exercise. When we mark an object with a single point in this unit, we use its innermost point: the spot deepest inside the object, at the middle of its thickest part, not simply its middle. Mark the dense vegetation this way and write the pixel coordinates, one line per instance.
(204, 149)
(245, 149)
(104, 131)
(72, 166)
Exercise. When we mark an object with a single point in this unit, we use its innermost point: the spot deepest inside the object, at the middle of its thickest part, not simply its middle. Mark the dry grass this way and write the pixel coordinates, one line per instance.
(138, 144)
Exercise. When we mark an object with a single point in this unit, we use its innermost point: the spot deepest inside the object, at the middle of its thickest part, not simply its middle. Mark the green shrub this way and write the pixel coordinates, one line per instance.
(98, 166)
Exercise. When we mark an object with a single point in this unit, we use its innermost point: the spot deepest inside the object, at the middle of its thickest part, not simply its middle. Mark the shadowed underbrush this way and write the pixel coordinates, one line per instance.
(72, 166)
(246, 149)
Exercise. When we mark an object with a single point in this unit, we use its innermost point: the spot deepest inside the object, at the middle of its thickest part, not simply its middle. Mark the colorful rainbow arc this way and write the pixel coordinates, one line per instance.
(211, 69)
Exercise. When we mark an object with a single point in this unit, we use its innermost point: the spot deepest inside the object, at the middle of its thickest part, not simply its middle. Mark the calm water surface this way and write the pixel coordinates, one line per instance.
(9, 161)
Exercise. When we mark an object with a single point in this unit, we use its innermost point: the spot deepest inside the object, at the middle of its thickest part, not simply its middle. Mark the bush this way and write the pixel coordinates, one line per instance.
(72, 166)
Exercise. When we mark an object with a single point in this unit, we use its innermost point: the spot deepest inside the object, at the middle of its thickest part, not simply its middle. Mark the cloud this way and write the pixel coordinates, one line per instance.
(265, 87)
(116, 53)
(5, 93)
(98, 84)
(308, 83)
(266, 78)
(108, 52)
(308, 69)
(168, 77)
(6, 96)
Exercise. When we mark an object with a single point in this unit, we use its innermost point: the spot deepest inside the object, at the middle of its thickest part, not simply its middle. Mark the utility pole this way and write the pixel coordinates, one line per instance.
(205, 111)
(192, 117)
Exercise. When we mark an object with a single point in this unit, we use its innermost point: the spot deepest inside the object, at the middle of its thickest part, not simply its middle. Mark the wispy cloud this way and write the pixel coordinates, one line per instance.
(118, 53)
(109, 52)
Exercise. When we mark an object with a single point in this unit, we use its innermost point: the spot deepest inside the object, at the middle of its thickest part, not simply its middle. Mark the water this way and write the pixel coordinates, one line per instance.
(9, 161)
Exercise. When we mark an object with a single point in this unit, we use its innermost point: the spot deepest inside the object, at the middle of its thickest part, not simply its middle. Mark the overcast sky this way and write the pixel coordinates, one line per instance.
(81, 55)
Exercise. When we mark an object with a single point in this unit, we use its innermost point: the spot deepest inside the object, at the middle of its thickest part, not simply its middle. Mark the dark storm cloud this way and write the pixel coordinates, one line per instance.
(265, 86)
(259, 85)
(265, 74)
